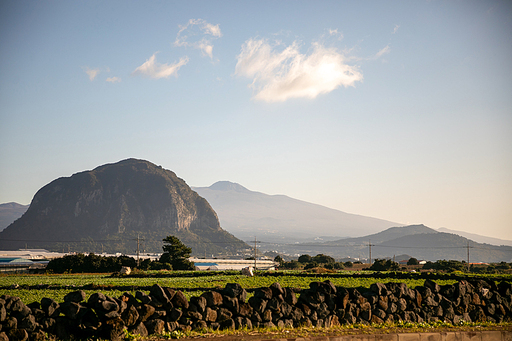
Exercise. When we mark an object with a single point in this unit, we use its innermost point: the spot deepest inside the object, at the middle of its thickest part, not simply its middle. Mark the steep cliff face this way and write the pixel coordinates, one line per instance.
(114, 203)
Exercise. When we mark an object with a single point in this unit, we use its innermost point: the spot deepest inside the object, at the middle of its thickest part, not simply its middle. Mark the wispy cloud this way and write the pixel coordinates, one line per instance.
(92, 73)
(155, 70)
(198, 33)
(396, 28)
(336, 33)
(382, 52)
(113, 79)
(281, 75)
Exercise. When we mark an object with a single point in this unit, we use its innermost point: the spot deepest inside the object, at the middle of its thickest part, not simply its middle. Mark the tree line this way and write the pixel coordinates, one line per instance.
(174, 257)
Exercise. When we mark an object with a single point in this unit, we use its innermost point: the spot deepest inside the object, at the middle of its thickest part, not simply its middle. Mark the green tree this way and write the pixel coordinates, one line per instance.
(279, 259)
(412, 261)
(304, 259)
(323, 259)
(176, 253)
(348, 264)
(384, 265)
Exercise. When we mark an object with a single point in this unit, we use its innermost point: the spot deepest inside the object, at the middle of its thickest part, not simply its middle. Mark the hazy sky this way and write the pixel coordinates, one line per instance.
(400, 110)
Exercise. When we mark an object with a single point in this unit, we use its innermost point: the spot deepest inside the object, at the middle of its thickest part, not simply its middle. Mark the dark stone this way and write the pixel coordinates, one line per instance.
(158, 292)
(3, 312)
(267, 315)
(213, 298)
(235, 290)
(326, 287)
(130, 316)
(210, 315)
(286, 309)
(139, 329)
(38, 314)
(37, 335)
(113, 329)
(258, 304)
(180, 300)
(200, 324)
(71, 309)
(256, 318)
(297, 314)
(169, 292)
(268, 325)
(155, 326)
(145, 311)
(366, 311)
(231, 303)
(171, 326)
(382, 303)
(10, 323)
(48, 324)
(194, 315)
(245, 309)
(274, 304)
(433, 286)
(289, 296)
(199, 302)
(379, 288)
(94, 300)
(276, 289)
(75, 296)
(174, 315)
(478, 315)
(223, 314)
(108, 306)
(227, 324)
(17, 335)
(263, 293)
(28, 323)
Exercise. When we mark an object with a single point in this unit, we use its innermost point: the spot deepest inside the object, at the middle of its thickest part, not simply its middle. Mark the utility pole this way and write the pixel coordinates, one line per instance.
(138, 244)
(468, 255)
(255, 253)
(370, 250)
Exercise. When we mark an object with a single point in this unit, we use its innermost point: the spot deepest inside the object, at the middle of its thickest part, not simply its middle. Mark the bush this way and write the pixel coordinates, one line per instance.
(384, 265)
(304, 259)
(413, 261)
(348, 264)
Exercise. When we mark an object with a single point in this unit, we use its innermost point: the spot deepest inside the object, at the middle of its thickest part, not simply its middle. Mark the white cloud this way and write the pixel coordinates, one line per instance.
(336, 33)
(113, 79)
(382, 52)
(281, 75)
(198, 34)
(92, 73)
(155, 70)
(396, 28)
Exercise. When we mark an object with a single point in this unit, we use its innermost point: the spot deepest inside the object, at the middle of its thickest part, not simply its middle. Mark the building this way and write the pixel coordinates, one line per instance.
(231, 264)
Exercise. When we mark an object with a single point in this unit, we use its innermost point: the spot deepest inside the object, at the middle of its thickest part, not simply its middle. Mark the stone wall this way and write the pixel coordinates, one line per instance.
(323, 304)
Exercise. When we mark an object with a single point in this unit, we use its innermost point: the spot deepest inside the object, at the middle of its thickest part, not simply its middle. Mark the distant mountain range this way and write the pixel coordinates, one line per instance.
(477, 237)
(417, 240)
(114, 205)
(248, 214)
(9, 212)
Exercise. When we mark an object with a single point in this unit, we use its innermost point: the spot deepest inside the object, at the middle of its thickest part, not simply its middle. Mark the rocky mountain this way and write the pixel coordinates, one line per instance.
(248, 214)
(109, 207)
(419, 241)
(9, 212)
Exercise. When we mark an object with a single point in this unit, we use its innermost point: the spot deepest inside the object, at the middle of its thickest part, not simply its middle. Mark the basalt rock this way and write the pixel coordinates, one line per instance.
(322, 305)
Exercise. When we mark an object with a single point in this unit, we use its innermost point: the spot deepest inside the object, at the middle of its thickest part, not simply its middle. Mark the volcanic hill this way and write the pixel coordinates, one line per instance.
(106, 209)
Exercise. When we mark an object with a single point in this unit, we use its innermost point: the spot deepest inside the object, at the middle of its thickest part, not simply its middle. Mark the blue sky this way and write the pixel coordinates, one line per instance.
(400, 110)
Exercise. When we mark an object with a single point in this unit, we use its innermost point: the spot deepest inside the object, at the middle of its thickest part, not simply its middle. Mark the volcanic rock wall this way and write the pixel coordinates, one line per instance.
(323, 304)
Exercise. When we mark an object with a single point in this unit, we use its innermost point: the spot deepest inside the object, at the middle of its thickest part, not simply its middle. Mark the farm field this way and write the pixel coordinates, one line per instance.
(31, 288)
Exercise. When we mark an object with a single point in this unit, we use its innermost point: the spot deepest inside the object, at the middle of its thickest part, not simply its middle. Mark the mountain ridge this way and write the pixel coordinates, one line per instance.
(246, 213)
